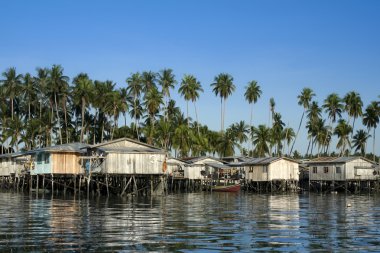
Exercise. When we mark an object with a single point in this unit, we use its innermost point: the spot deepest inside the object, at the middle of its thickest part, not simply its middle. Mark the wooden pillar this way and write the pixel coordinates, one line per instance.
(43, 183)
(52, 184)
(37, 186)
(75, 184)
(108, 193)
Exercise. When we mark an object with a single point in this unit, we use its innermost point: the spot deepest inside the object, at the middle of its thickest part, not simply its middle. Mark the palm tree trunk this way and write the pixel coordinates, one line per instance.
(12, 107)
(221, 114)
(298, 130)
(373, 144)
(82, 127)
(196, 116)
(59, 123)
(224, 112)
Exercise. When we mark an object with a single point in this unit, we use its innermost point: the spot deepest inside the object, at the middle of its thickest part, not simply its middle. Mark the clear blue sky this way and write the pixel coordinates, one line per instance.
(329, 46)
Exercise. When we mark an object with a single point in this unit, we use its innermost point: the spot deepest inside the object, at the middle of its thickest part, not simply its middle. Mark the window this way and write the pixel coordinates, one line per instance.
(39, 158)
(265, 169)
(251, 169)
(315, 170)
(338, 170)
(326, 169)
(47, 158)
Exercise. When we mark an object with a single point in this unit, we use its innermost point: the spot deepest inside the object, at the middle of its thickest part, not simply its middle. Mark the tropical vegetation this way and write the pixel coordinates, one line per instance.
(49, 108)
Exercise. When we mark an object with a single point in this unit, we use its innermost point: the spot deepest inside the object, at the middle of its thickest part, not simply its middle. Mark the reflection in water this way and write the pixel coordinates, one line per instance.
(191, 222)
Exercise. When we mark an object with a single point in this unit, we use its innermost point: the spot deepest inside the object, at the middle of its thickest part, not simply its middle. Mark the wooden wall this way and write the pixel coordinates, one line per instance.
(133, 163)
(66, 163)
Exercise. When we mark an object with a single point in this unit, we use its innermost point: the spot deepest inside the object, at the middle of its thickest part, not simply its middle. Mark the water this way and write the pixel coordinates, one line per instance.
(197, 222)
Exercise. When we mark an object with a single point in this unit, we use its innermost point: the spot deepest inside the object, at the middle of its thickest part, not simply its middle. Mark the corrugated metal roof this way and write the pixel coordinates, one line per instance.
(124, 139)
(218, 165)
(336, 159)
(267, 160)
(196, 159)
(129, 150)
(16, 154)
(67, 148)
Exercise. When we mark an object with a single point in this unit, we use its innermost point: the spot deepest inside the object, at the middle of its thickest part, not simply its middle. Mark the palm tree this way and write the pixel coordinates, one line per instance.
(223, 86)
(190, 89)
(277, 132)
(261, 137)
(272, 105)
(153, 101)
(82, 94)
(252, 94)
(343, 131)
(226, 143)
(58, 83)
(333, 107)
(148, 80)
(134, 88)
(11, 84)
(360, 141)
(304, 100)
(370, 120)
(166, 79)
(287, 136)
(313, 115)
(29, 92)
(353, 106)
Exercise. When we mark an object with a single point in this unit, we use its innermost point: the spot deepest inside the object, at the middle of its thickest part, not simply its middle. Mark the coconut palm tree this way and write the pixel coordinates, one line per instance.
(148, 80)
(353, 106)
(343, 131)
(370, 120)
(227, 143)
(360, 141)
(261, 137)
(252, 94)
(134, 87)
(82, 94)
(190, 89)
(11, 84)
(313, 114)
(277, 132)
(288, 136)
(124, 103)
(58, 84)
(166, 79)
(29, 92)
(272, 105)
(333, 107)
(304, 100)
(153, 101)
(223, 86)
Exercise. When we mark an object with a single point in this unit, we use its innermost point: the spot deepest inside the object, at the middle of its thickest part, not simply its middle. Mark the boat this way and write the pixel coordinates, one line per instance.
(226, 188)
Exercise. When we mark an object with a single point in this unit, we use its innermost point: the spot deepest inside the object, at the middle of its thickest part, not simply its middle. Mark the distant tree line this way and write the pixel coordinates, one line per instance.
(48, 108)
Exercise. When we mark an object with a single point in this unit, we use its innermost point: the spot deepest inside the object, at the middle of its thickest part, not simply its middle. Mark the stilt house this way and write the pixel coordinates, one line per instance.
(342, 169)
(203, 167)
(175, 168)
(61, 159)
(126, 156)
(12, 164)
(271, 169)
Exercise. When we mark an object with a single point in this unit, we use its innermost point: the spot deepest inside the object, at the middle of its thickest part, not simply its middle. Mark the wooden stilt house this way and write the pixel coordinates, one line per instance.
(126, 156)
(61, 159)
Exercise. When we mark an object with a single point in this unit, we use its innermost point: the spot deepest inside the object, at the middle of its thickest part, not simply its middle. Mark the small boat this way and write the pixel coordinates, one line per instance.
(226, 188)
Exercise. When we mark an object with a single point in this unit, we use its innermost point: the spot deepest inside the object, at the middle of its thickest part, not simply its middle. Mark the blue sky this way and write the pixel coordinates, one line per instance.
(329, 46)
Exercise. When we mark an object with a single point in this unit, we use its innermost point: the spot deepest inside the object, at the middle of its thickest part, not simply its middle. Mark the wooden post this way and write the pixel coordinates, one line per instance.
(37, 188)
(108, 193)
(52, 184)
(43, 183)
(151, 185)
(75, 184)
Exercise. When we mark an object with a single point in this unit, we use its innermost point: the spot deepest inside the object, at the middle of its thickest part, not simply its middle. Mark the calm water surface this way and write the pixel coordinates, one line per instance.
(200, 222)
